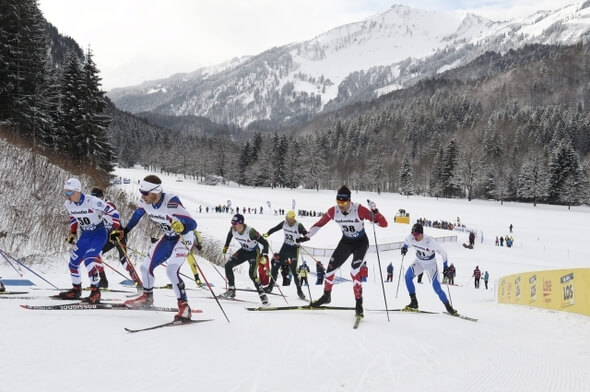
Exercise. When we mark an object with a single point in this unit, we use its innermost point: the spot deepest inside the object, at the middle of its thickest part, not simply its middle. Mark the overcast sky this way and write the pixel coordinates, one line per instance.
(138, 40)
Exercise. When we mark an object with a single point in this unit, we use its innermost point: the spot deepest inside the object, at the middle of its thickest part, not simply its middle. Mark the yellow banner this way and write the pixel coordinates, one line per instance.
(564, 289)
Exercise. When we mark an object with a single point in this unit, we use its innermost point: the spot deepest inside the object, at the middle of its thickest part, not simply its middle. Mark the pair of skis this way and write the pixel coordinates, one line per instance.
(357, 321)
(109, 306)
(100, 306)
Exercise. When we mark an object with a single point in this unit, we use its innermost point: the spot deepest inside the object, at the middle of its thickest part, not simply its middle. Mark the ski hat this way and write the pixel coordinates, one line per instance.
(237, 218)
(343, 194)
(290, 214)
(417, 228)
(97, 192)
(73, 184)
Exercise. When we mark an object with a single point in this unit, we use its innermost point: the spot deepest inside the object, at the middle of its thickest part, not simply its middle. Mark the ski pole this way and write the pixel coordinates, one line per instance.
(12, 265)
(192, 261)
(6, 255)
(206, 281)
(212, 293)
(273, 279)
(114, 269)
(401, 268)
(379, 264)
(136, 251)
(123, 248)
(316, 261)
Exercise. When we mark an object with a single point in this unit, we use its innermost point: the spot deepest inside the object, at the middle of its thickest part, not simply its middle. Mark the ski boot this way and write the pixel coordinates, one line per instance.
(94, 297)
(74, 293)
(103, 283)
(450, 309)
(324, 299)
(413, 305)
(145, 300)
(184, 311)
(358, 309)
(230, 293)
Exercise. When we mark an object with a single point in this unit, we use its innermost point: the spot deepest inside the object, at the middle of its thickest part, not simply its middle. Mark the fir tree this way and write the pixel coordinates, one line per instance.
(532, 181)
(406, 181)
(563, 164)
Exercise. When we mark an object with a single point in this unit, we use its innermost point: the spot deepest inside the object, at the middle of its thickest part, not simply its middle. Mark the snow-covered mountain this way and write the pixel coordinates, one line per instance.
(350, 63)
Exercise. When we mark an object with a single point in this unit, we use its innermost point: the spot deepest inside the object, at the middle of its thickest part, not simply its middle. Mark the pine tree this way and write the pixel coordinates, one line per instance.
(73, 113)
(449, 163)
(406, 181)
(96, 121)
(376, 172)
(23, 60)
(563, 164)
(467, 172)
(436, 184)
(532, 181)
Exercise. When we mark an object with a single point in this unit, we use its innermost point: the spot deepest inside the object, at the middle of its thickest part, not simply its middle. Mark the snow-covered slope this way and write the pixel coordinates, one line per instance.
(357, 61)
(511, 348)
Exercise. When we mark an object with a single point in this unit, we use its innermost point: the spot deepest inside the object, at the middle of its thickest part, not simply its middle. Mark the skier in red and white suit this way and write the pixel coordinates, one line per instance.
(350, 217)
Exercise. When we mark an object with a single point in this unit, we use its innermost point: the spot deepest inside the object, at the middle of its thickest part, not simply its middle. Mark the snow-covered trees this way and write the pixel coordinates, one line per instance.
(60, 112)
(406, 180)
(532, 181)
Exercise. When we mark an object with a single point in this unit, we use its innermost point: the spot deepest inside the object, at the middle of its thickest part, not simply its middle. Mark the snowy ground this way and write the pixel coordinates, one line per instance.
(511, 348)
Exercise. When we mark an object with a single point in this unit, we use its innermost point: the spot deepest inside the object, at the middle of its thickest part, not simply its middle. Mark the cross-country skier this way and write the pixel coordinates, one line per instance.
(249, 251)
(116, 240)
(167, 211)
(350, 217)
(426, 249)
(86, 212)
(289, 251)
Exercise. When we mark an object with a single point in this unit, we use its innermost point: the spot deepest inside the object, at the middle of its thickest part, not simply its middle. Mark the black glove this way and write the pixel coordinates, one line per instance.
(404, 251)
(199, 247)
(154, 240)
(302, 239)
(71, 238)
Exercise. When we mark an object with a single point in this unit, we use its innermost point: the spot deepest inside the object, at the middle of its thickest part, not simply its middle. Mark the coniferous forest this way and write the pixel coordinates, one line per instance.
(512, 126)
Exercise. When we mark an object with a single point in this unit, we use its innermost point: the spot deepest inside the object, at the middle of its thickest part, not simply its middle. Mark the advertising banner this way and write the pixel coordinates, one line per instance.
(564, 289)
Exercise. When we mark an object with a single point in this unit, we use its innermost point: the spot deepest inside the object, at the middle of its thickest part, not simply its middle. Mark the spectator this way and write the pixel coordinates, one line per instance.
(451, 274)
(486, 277)
(477, 276)
(364, 271)
(320, 272)
(389, 273)
(303, 271)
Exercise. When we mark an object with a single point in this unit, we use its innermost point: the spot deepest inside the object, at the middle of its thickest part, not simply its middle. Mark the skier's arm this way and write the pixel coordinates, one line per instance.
(274, 229)
(255, 235)
(327, 217)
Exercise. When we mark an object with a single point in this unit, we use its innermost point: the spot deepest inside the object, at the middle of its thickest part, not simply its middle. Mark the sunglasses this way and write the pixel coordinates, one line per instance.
(235, 223)
(342, 202)
(145, 193)
(416, 234)
(69, 193)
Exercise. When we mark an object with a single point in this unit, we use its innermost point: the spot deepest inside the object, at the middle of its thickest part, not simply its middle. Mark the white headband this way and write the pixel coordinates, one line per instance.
(146, 186)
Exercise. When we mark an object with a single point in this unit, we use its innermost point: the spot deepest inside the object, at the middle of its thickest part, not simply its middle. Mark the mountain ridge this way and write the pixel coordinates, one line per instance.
(356, 62)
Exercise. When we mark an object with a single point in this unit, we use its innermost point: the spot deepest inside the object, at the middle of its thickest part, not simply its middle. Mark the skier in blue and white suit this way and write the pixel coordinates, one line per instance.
(86, 212)
(426, 249)
(167, 211)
